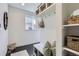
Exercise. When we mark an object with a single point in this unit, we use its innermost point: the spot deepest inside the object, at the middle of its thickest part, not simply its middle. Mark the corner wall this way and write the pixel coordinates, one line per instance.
(3, 33)
(17, 32)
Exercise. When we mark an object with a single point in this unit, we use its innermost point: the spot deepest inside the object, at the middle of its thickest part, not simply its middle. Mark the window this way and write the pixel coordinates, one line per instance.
(30, 23)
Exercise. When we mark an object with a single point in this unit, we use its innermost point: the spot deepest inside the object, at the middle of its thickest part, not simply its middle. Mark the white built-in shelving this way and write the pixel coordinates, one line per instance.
(67, 10)
(70, 25)
(70, 50)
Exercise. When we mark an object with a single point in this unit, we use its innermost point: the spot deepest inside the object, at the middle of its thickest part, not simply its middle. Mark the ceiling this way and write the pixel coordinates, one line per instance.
(27, 6)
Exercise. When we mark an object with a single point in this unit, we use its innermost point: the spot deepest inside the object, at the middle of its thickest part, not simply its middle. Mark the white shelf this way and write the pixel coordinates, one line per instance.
(70, 50)
(53, 5)
(70, 25)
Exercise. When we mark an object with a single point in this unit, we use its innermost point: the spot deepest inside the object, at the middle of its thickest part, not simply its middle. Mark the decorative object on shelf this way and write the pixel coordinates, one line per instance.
(5, 20)
(73, 42)
(41, 23)
(75, 12)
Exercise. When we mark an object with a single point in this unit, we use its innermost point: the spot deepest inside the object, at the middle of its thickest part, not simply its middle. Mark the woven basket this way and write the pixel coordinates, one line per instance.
(73, 20)
(73, 43)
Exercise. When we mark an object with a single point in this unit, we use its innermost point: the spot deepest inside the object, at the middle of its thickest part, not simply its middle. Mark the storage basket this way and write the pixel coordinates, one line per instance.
(73, 42)
(73, 20)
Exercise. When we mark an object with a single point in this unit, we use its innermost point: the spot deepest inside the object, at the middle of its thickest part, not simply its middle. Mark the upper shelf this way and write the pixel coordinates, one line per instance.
(70, 25)
(52, 6)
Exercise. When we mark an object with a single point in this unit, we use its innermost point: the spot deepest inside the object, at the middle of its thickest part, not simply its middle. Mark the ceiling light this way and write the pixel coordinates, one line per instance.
(22, 4)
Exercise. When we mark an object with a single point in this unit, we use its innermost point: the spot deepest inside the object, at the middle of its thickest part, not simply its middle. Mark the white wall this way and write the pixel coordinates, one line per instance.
(17, 32)
(49, 32)
(71, 7)
(3, 33)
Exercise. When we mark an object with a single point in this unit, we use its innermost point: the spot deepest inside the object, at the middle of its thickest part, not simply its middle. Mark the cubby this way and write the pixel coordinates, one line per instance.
(48, 33)
(69, 29)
